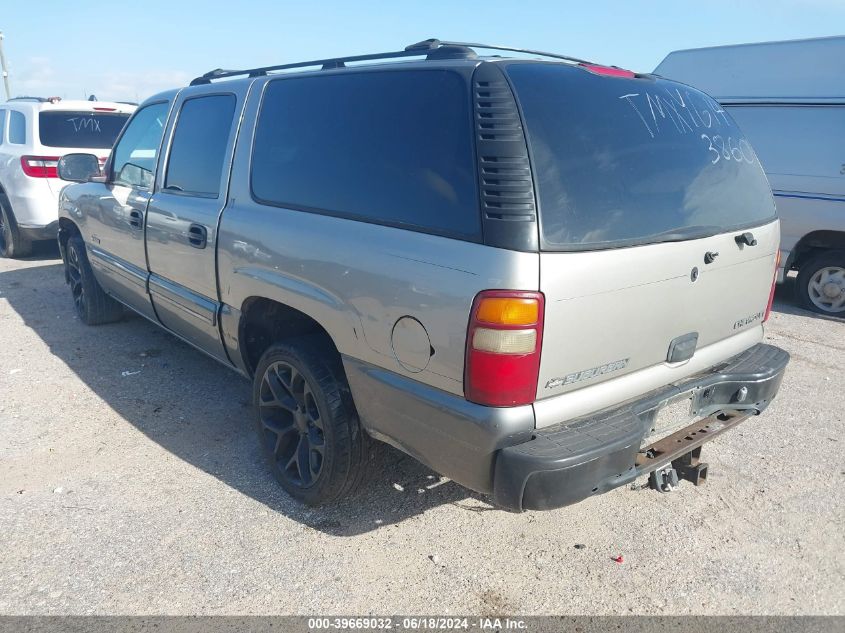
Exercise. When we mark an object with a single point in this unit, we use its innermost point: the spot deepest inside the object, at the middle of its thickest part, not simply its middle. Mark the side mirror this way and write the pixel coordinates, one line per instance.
(78, 167)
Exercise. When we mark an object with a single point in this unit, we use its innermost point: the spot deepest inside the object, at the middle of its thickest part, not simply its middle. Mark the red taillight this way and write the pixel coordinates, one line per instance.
(611, 71)
(504, 340)
(105, 109)
(772, 292)
(40, 166)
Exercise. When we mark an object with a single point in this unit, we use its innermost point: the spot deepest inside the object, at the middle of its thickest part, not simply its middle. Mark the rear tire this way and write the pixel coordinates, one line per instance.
(307, 423)
(93, 306)
(12, 243)
(820, 285)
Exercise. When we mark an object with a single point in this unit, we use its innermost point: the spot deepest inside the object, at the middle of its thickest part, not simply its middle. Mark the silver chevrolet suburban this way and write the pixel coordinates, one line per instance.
(542, 277)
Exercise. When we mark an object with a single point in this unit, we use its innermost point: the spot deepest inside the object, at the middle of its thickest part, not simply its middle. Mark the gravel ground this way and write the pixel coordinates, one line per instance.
(131, 483)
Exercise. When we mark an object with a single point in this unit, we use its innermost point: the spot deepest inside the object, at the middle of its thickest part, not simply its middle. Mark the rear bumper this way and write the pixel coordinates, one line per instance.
(33, 201)
(570, 461)
(35, 233)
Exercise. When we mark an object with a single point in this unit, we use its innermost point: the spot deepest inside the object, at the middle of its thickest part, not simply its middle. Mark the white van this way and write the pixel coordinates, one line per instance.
(789, 99)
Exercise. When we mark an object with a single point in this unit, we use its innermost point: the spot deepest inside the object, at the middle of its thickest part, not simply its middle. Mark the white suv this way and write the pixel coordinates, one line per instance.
(34, 133)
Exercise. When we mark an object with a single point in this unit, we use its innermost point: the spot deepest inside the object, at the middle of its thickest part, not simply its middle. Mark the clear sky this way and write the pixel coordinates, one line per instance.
(129, 50)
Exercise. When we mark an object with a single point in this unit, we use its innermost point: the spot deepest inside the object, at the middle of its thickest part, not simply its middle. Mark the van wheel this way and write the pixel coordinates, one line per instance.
(821, 283)
(307, 423)
(12, 243)
(93, 306)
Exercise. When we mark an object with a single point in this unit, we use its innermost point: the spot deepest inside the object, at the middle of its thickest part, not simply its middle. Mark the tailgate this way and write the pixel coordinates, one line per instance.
(611, 313)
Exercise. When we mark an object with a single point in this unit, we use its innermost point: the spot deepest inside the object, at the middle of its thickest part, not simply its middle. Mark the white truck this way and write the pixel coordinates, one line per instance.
(789, 99)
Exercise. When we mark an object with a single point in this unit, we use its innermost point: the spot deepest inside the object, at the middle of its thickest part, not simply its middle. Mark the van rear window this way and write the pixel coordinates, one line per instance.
(80, 129)
(622, 161)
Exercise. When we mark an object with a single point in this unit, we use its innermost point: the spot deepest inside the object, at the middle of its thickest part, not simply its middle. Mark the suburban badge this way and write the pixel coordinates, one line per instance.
(586, 374)
(748, 320)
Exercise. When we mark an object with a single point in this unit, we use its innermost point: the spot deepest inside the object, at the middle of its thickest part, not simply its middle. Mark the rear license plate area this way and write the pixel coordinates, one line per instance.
(669, 418)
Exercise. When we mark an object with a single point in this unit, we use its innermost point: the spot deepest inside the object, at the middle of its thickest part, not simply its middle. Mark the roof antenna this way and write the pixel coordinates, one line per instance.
(92, 98)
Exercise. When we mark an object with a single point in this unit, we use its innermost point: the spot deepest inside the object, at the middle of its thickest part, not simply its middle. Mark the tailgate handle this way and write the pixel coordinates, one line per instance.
(682, 347)
(746, 238)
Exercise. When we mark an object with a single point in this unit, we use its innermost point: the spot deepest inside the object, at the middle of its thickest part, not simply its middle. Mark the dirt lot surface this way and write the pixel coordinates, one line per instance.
(131, 483)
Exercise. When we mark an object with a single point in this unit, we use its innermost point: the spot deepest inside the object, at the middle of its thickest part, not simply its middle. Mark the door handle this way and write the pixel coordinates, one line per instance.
(136, 219)
(197, 235)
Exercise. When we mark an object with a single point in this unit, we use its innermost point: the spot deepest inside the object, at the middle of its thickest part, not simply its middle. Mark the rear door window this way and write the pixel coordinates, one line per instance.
(199, 145)
(92, 130)
(392, 147)
(622, 161)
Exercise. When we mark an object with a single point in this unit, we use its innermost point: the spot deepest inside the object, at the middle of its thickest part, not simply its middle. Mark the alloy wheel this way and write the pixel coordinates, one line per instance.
(75, 278)
(5, 233)
(292, 428)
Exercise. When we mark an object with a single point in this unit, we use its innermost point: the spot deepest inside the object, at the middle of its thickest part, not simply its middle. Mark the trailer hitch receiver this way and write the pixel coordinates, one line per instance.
(691, 468)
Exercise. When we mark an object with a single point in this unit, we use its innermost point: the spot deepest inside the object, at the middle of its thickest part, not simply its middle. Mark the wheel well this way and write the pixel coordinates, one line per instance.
(66, 229)
(814, 243)
(264, 322)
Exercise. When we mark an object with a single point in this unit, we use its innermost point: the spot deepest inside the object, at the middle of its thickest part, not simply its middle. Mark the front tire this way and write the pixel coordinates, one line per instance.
(12, 243)
(821, 283)
(93, 306)
(307, 423)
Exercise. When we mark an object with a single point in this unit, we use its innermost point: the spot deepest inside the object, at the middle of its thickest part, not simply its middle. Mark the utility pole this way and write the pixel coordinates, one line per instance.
(4, 69)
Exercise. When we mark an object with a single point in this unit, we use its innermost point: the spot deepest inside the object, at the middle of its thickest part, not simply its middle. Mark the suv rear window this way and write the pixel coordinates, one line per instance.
(392, 147)
(80, 129)
(622, 161)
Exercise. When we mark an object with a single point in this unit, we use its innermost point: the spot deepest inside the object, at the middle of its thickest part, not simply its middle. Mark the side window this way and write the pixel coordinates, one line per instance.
(2, 126)
(390, 147)
(795, 140)
(135, 155)
(199, 145)
(17, 127)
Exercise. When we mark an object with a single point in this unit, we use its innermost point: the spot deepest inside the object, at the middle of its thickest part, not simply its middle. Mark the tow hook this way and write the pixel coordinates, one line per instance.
(688, 466)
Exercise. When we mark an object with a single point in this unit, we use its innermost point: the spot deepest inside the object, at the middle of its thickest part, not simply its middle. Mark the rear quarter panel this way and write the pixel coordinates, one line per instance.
(358, 279)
